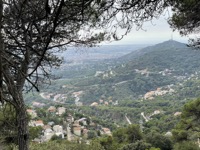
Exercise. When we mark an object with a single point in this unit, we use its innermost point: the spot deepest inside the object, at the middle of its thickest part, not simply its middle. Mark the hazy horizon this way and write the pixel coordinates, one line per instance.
(152, 32)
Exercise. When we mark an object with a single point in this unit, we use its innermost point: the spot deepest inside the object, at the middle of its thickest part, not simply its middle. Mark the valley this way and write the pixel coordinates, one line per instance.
(147, 87)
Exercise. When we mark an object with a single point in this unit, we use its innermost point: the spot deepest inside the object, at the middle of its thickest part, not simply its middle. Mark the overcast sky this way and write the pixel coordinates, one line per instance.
(156, 31)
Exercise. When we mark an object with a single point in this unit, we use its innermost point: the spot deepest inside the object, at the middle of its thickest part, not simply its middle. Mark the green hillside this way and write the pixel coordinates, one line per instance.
(170, 54)
(128, 78)
(157, 66)
(160, 78)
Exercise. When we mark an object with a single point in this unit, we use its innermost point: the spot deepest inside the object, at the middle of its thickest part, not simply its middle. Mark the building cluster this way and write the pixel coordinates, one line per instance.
(158, 92)
(70, 128)
(104, 102)
(104, 74)
(143, 72)
(166, 72)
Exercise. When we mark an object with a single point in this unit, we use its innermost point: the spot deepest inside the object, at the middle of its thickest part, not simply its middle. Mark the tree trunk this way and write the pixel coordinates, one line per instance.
(22, 122)
(1, 52)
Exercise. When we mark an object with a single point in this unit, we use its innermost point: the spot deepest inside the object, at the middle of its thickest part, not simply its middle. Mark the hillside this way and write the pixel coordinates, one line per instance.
(170, 54)
(148, 88)
(162, 66)
(141, 71)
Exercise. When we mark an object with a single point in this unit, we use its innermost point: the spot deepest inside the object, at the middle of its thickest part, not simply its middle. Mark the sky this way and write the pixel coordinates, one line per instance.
(156, 31)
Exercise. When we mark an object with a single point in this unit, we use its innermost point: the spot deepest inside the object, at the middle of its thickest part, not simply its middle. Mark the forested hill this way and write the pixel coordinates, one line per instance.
(171, 44)
(144, 70)
(165, 65)
(171, 55)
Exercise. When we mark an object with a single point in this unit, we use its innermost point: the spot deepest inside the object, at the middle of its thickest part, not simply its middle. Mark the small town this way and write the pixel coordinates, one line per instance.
(74, 130)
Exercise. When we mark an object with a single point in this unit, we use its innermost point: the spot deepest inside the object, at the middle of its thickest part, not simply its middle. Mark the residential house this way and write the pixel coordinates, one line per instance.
(101, 101)
(177, 114)
(106, 103)
(32, 113)
(37, 104)
(61, 110)
(46, 127)
(77, 129)
(70, 118)
(115, 103)
(149, 95)
(94, 104)
(57, 97)
(51, 123)
(52, 109)
(39, 123)
(106, 131)
(77, 94)
(48, 133)
(58, 130)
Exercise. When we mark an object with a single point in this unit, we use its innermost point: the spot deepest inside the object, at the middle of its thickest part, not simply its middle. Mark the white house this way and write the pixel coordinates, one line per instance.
(61, 110)
(48, 133)
(58, 130)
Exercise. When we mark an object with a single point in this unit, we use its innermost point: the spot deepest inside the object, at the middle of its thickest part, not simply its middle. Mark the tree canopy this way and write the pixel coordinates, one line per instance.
(186, 19)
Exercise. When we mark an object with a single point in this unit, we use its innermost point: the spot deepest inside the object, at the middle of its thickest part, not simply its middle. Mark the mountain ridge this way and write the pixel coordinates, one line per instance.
(142, 51)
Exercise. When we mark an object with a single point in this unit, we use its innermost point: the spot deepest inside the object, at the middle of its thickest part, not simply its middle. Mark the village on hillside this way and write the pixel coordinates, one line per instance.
(78, 129)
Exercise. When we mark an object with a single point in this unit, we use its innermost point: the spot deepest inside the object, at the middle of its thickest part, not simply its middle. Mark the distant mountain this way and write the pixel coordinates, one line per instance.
(161, 46)
(170, 54)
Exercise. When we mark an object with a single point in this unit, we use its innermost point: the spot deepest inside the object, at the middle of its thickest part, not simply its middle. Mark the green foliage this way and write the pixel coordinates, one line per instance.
(8, 127)
(64, 145)
(189, 126)
(158, 140)
(153, 148)
(133, 133)
(138, 145)
(120, 135)
(186, 21)
(130, 134)
(181, 19)
(92, 134)
(55, 137)
(186, 145)
(35, 132)
(192, 111)
(179, 135)
(106, 142)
